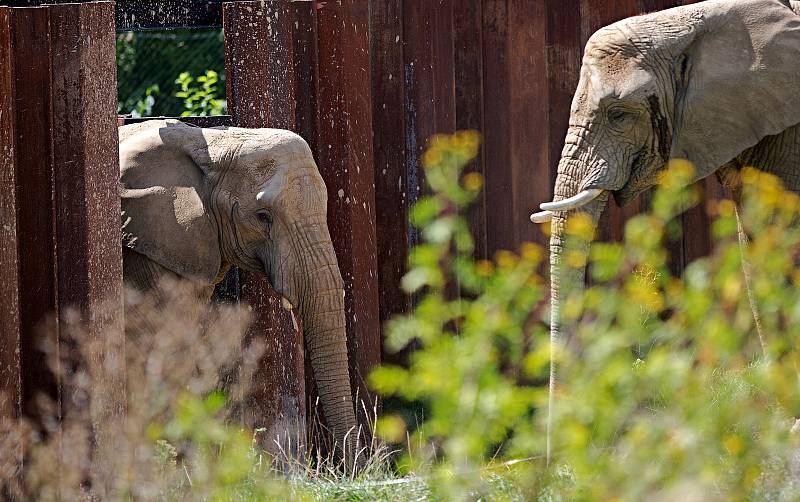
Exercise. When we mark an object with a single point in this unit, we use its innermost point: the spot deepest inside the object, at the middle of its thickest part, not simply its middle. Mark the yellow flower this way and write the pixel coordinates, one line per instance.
(467, 142)
(484, 268)
(679, 172)
(432, 157)
(532, 252)
(505, 259)
(580, 225)
(726, 208)
(473, 181)
(733, 444)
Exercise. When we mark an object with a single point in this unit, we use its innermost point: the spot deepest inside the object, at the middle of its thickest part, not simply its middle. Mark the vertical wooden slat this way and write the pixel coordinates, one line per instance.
(346, 159)
(391, 177)
(262, 86)
(468, 47)
(564, 60)
(34, 196)
(429, 82)
(517, 115)
(10, 371)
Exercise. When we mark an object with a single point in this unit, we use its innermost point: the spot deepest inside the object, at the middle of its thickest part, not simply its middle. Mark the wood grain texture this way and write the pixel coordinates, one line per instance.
(469, 102)
(391, 175)
(517, 120)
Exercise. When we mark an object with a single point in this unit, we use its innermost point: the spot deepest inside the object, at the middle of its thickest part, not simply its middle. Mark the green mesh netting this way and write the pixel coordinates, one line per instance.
(149, 62)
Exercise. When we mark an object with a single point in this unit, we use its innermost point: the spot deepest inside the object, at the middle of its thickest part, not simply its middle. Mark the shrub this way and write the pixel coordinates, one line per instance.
(666, 391)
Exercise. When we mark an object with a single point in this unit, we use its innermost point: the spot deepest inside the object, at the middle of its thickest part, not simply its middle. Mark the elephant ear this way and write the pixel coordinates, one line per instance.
(164, 168)
(737, 81)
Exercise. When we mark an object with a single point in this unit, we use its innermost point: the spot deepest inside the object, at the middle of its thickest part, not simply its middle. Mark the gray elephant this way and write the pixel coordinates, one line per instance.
(195, 201)
(716, 83)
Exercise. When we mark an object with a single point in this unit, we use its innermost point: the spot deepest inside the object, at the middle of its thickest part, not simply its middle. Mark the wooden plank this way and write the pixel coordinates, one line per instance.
(468, 47)
(10, 370)
(34, 195)
(261, 93)
(391, 180)
(519, 164)
(429, 83)
(345, 155)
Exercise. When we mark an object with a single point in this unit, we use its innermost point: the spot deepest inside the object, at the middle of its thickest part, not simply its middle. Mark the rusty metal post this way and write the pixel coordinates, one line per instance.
(262, 83)
(10, 370)
(31, 63)
(60, 76)
(85, 160)
(345, 155)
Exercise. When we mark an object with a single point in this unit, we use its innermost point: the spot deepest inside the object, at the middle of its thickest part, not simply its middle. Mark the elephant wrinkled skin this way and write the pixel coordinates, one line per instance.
(716, 83)
(195, 201)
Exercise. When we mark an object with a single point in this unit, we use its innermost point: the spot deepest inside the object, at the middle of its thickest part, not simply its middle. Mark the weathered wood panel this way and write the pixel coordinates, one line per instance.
(345, 157)
(391, 176)
(517, 120)
(261, 76)
(469, 101)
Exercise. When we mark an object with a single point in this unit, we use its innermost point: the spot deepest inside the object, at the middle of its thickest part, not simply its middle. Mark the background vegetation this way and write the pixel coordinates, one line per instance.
(667, 392)
(150, 65)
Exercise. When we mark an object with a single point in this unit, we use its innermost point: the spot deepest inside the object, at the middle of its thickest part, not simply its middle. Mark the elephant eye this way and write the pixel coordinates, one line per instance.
(264, 217)
(618, 116)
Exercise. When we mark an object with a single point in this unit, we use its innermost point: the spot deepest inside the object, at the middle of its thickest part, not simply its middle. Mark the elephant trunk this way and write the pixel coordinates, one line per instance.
(565, 280)
(316, 288)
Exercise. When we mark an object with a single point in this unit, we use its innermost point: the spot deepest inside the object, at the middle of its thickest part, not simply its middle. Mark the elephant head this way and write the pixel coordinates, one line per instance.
(196, 200)
(702, 82)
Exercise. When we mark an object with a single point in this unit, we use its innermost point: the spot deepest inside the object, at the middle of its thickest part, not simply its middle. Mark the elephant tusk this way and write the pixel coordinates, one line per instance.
(574, 202)
(261, 196)
(542, 217)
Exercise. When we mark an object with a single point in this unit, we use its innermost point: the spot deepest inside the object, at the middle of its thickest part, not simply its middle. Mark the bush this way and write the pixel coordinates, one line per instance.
(666, 392)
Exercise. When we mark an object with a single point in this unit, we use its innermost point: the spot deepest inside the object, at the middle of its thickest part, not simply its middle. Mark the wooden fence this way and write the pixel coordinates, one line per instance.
(365, 82)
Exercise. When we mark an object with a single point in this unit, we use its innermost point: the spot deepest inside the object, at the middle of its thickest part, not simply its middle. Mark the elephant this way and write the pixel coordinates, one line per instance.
(716, 83)
(196, 201)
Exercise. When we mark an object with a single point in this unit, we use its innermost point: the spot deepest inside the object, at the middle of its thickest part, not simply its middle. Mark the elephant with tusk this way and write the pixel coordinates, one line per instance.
(716, 83)
(196, 201)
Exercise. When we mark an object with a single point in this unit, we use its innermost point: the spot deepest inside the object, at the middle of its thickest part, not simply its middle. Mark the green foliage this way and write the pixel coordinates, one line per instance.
(144, 106)
(220, 462)
(154, 58)
(665, 389)
(199, 95)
